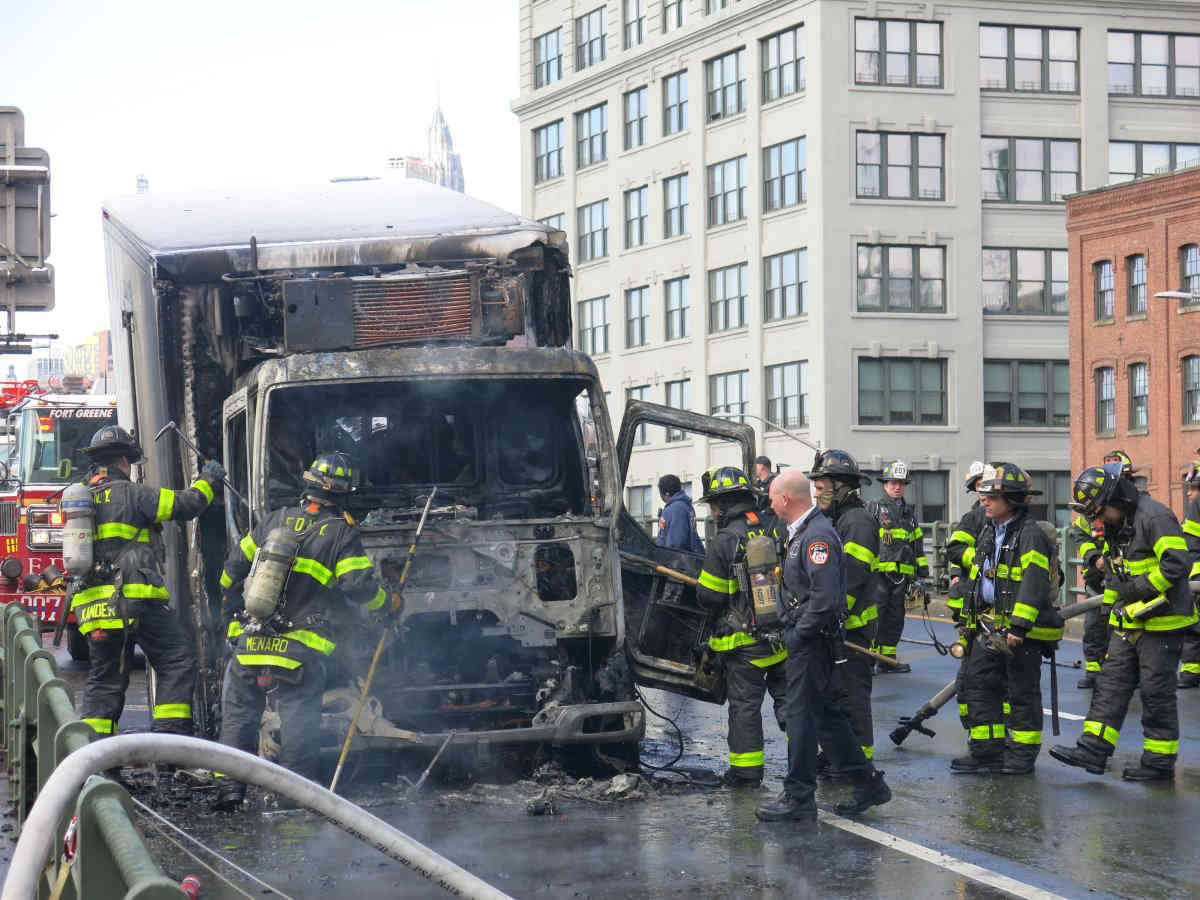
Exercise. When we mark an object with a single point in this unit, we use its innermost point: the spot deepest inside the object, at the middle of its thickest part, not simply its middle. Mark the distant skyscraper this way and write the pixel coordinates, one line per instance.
(441, 164)
(143, 184)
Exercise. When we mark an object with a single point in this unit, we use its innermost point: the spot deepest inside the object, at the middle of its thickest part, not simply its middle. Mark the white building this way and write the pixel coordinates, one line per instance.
(845, 217)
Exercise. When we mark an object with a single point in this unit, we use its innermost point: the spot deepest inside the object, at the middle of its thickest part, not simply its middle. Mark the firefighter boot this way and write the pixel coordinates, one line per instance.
(1087, 682)
(871, 791)
(786, 807)
(1142, 772)
(732, 779)
(1081, 757)
(976, 765)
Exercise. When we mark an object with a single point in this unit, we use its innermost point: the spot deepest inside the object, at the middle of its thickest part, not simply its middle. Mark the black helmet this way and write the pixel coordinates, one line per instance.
(112, 442)
(1120, 456)
(839, 465)
(1095, 488)
(896, 470)
(724, 480)
(1007, 480)
(330, 473)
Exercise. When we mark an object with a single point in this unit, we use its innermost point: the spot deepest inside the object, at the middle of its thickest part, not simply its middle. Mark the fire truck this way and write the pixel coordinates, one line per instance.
(49, 432)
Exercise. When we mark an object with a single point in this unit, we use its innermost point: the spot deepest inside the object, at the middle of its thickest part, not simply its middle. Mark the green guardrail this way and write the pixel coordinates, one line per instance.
(41, 729)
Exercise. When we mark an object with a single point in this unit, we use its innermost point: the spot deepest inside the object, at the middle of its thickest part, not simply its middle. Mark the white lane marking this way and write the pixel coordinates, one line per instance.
(942, 860)
(1064, 715)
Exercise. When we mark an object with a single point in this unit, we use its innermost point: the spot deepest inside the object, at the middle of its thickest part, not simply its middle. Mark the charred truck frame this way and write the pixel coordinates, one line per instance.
(428, 336)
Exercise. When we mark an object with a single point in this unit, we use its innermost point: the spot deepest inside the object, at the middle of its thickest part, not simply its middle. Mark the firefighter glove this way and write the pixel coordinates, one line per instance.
(1126, 589)
(212, 472)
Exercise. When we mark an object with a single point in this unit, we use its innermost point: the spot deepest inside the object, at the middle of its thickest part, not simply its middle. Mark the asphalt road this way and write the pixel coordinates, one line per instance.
(1060, 832)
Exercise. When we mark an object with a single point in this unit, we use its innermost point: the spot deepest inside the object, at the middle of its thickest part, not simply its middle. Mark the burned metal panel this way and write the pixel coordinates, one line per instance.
(318, 314)
(639, 412)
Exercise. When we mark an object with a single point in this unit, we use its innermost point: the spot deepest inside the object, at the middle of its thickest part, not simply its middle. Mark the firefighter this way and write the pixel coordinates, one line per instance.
(836, 479)
(752, 664)
(901, 559)
(290, 652)
(1012, 621)
(1189, 665)
(960, 556)
(1146, 588)
(124, 600)
(812, 576)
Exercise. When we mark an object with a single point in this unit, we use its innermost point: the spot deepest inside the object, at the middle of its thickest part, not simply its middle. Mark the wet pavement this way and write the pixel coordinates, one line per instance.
(1060, 832)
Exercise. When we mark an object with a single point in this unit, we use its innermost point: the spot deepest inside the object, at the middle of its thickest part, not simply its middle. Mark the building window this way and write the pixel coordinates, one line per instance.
(679, 396)
(673, 15)
(1039, 287)
(557, 221)
(729, 395)
(635, 216)
(1054, 503)
(782, 57)
(675, 205)
(1128, 160)
(727, 191)
(591, 135)
(1029, 170)
(675, 103)
(901, 391)
(900, 166)
(785, 174)
(1139, 397)
(591, 42)
(1136, 266)
(1026, 393)
(1189, 264)
(1153, 65)
(1106, 401)
(927, 492)
(712, 6)
(593, 326)
(635, 22)
(785, 285)
(1014, 58)
(1103, 272)
(641, 504)
(547, 151)
(637, 317)
(787, 395)
(898, 52)
(593, 231)
(1191, 390)
(641, 437)
(635, 117)
(895, 278)
(725, 79)
(547, 58)
(727, 297)
(678, 304)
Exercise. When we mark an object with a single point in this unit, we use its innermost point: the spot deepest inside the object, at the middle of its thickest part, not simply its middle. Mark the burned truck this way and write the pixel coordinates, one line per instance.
(428, 336)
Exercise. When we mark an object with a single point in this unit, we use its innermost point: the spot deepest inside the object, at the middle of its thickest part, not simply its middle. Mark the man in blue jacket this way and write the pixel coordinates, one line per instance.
(677, 521)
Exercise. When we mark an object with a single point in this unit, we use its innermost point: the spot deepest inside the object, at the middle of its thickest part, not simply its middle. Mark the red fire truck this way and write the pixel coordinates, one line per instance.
(50, 431)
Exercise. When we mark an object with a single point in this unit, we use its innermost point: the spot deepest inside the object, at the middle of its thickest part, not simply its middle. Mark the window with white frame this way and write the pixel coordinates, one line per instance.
(547, 58)
(1135, 267)
(1029, 170)
(636, 202)
(593, 231)
(1021, 58)
(547, 151)
(1191, 390)
(1106, 400)
(675, 205)
(729, 395)
(635, 22)
(591, 41)
(1102, 273)
(895, 391)
(637, 316)
(727, 297)
(785, 173)
(727, 191)
(898, 52)
(593, 326)
(712, 6)
(783, 62)
(900, 165)
(674, 15)
(636, 111)
(591, 135)
(1025, 282)
(678, 304)
(678, 396)
(1153, 65)
(785, 285)
(1139, 397)
(787, 394)
(725, 83)
(1031, 393)
(901, 278)
(675, 103)
(641, 504)
(1189, 270)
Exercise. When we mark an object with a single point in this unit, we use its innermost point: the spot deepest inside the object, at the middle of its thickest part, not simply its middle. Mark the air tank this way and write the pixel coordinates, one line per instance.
(79, 525)
(269, 573)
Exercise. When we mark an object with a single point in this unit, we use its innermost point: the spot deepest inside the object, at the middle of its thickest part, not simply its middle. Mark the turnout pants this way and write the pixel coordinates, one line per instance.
(242, 703)
(1145, 660)
(1095, 638)
(811, 712)
(161, 635)
(850, 687)
(750, 672)
(1003, 696)
(891, 615)
(1189, 660)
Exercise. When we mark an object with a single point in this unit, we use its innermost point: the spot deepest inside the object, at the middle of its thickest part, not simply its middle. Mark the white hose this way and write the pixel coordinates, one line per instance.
(38, 834)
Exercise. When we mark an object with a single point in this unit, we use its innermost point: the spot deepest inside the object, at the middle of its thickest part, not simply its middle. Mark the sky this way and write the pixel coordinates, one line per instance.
(256, 92)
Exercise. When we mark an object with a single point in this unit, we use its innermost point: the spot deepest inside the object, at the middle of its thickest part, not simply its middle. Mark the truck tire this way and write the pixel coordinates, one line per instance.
(77, 645)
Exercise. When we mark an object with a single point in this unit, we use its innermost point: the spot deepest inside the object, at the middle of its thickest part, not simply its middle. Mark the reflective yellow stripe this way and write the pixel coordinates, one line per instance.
(868, 751)
(173, 711)
(1141, 566)
(886, 565)
(962, 710)
(1161, 583)
(1169, 542)
(1110, 597)
(870, 614)
(249, 548)
(981, 732)
(719, 585)
(1006, 707)
(311, 639)
(205, 488)
(731, 642)
(922, 561)
(235, 628)
(1191, 527)
(351, 564)
(92, 594)
(968, 557)
(1091, 666)
(108, 530)
(885, 649)
(1025, 737)
(1166, 748)
(963, 537)
(377, 601)
(777, 657)
(1171, 623)
(746, 760)
(1190, 668)
(144, 592)
(101, 726)
(1040, 633)
(313, 569)
(955, 603)
(997, 731)
(105, 624)
(1085, 548)
(226, 581)
(859, 552)
(266, 659)
(1102, 731)
(906, 569)
(1033, 557)
(166, 504)
(1025, 611)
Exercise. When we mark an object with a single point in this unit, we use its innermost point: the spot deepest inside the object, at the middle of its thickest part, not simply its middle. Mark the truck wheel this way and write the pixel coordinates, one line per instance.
(77, 645)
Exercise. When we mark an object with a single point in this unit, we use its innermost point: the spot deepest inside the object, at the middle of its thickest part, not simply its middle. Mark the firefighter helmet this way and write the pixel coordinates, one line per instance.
(111, 442)
(974, 472)
(897, 470)
(1095, 488)
(839, 465)
(1005, 480)
(330, 473)
(723, 480)
(1120, 456)
(1191, 475)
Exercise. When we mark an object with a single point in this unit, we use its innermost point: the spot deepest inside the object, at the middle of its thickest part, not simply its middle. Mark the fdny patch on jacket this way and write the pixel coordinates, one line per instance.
(818, 552)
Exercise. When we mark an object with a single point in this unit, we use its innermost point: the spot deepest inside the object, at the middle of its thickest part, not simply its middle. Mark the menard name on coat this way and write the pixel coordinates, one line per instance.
(264, 644)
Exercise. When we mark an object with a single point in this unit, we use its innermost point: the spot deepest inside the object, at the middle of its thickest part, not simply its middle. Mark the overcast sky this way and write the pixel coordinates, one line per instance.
(252, 92)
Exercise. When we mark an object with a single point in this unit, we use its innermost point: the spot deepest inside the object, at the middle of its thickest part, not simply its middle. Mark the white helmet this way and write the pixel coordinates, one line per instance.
(974, 472)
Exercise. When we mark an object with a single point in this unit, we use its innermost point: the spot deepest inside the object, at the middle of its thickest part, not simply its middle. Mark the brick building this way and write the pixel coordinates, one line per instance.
(1135, 359)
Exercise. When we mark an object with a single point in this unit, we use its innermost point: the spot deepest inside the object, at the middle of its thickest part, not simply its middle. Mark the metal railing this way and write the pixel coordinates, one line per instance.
(41, 729)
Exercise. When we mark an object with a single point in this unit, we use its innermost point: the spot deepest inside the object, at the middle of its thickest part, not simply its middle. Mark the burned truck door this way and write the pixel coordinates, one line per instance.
(236, 450)
(666, 629)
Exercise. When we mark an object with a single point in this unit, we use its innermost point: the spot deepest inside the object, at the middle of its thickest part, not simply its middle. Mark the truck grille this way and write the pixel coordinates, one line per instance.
(8, 518)
(388, 311)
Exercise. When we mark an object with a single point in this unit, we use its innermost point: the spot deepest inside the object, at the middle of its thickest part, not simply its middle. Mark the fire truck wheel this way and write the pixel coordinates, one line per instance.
(77, 645)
